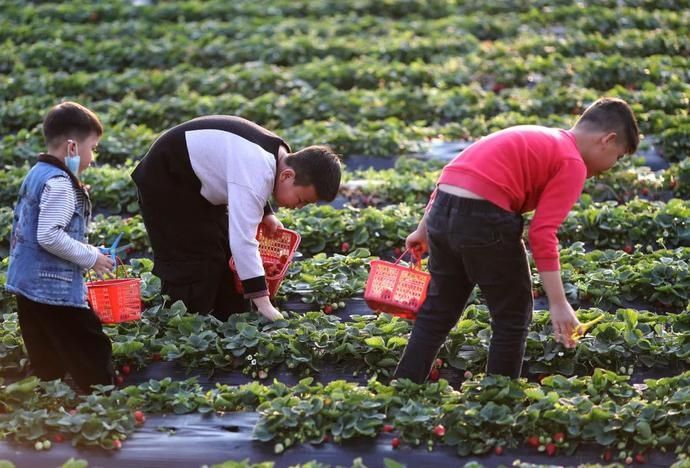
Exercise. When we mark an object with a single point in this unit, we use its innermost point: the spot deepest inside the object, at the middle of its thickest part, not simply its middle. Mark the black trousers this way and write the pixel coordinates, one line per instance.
(472, 242)
(188, 234)
(63, 340)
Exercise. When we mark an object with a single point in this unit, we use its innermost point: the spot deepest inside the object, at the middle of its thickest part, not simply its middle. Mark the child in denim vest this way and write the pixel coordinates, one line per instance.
(49, 254)
(473, 230)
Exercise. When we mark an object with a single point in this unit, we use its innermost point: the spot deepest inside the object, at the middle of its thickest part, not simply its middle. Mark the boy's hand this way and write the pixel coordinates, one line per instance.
(417, 241)
(271, 224)
(564, 322)
(265, 308)
(104, 264)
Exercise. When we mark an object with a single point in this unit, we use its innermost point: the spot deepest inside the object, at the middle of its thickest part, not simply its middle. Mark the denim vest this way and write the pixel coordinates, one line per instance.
(34, 272)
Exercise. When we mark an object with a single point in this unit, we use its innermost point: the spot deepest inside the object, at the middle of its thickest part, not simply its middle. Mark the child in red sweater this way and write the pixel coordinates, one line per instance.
(473, 228)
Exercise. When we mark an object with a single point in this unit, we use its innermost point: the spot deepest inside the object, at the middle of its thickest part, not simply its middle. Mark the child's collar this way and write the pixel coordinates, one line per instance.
(57, 162)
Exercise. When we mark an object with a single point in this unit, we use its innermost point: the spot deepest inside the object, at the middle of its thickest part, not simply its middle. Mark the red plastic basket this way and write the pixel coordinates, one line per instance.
(396, 289)
(277, 250)
(115, 300)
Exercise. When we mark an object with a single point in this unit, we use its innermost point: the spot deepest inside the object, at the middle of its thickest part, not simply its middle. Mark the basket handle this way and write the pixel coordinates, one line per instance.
(414, 256)
(118, 264)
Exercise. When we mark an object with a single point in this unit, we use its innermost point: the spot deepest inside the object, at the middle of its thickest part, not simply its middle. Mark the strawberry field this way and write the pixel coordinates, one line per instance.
(401, 86)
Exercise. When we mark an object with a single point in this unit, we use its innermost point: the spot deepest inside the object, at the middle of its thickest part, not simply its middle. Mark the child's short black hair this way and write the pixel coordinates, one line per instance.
(319, 166)
(613, 115)
(70, 120)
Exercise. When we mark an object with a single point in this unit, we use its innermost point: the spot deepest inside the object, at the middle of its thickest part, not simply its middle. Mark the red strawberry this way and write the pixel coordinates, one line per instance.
(533, 441)
(438, 363)
(119, 380)
(498, 450)
(117, 444)
(644, 191)
(125, 369)
(467, 374)
(628, 460)
(558, 437)
(139, 417)
(388, 428)
(607, 455)
(640, 458)
(628, 248)
(344, 247)
(58, 438)
(328, 309)
(434, 374)
(551, 449)
(395, 443)
(439, 431)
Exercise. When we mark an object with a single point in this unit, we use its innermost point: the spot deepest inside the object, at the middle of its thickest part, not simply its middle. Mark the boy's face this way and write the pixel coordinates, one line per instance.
(289, 195)
(605, 154)
(85, 148)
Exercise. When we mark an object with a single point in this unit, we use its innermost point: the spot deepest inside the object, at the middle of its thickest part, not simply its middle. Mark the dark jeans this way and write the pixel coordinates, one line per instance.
(62, 340)
(472, 242)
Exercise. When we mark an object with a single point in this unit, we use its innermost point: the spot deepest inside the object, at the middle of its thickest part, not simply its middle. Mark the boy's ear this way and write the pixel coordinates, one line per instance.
(609, 137)
(287, 173)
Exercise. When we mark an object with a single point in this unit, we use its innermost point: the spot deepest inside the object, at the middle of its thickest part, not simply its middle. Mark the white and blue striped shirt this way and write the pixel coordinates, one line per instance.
(58, 203)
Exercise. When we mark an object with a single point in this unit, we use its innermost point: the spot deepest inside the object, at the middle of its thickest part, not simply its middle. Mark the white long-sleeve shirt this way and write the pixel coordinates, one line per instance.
(239, 173)
(58, 202)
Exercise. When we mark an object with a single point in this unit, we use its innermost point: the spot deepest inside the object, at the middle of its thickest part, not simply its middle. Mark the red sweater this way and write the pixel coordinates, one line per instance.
(521, 169)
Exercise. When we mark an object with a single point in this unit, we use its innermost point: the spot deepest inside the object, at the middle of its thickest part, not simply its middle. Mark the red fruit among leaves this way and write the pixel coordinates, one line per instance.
(498, 450)
(640, 458)
(395, 443)
(388, 428)
(629, 460)
(439, 431)
(644, 191)
(607, 455)
(125, 369)
(58, 438)
(119, 380)
(344, 247)
(139, 417)
(156, 357)
(117, 444)
(551, 449)
(434, 374)
(558, 437)
(627, 248)
(533, 441)
(328, 309)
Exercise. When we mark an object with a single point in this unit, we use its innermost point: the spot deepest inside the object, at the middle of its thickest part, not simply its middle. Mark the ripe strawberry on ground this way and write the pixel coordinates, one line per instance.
(498, 450)
(388, 428)
(395, 442)
(640, 458)
(117, 444)
(58, 438)
(344, 247)
(439, 430)
(139, 417)
(328, 309)
(533, 441)
(551, 449)
(434, 374)
(119, 380)
(125, 369)
(628, 248)
(558, 437)
(607, 456)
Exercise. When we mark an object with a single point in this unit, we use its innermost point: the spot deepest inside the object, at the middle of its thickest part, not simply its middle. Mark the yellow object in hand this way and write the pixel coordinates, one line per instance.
(581, 329)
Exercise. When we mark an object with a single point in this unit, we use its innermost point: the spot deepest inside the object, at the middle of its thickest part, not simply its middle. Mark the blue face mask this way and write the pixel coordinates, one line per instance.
(72, 160)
